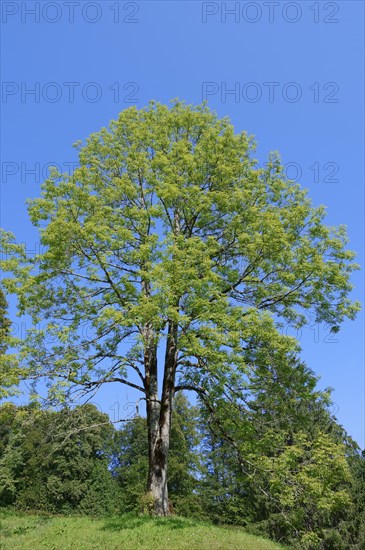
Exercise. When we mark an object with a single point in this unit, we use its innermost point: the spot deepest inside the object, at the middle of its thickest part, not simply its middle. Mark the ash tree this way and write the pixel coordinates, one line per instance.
(169, 259)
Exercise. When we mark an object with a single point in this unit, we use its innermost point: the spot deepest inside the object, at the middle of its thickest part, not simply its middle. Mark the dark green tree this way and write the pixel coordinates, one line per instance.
(353, 530)
(281, 463)
(57, 461)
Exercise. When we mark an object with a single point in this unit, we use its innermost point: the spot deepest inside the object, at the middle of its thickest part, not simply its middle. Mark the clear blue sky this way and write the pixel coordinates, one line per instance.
(295, 73)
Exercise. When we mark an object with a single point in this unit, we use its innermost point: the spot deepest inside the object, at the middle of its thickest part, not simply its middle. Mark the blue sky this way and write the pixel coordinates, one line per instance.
(291, 73)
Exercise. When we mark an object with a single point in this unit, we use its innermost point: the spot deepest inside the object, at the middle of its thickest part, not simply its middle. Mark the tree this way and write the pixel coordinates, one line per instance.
(57, 461)
(169, 232)
(354, 529)
(288, 475)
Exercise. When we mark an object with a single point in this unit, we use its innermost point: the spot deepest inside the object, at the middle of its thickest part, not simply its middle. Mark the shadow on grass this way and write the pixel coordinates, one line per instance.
(131, 521)
(33, 514)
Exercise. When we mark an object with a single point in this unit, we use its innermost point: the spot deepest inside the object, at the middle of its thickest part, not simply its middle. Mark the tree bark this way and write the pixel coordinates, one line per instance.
(159, 417)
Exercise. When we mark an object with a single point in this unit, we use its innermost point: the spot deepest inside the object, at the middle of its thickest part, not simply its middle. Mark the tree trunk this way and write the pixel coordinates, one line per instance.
(157, 476)
(159, 417)
(157, 454)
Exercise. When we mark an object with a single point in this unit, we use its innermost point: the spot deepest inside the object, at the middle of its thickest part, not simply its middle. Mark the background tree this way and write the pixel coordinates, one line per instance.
(354, 529)
(57, 461)
(10, 460)
(169, 232)
(288, 474)
(296, 478)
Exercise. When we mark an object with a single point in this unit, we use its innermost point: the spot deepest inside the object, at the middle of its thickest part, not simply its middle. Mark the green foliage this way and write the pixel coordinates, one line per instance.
(4, 323)
(296, 478)
(74, 460)
(169, 218)
(9, 369)
(56, 461)
(289, 474)
(130, 462)
(146, 503)
(354, 530)
(309, 485)
(184, 458)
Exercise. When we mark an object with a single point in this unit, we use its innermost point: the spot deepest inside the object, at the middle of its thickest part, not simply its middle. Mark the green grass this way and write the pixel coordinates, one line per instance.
(127, 532)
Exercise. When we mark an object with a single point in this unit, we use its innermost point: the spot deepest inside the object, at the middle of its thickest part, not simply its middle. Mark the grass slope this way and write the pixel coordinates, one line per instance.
(38, 532)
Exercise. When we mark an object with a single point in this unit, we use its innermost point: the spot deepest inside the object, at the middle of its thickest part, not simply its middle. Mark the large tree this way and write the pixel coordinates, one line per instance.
(170, 254)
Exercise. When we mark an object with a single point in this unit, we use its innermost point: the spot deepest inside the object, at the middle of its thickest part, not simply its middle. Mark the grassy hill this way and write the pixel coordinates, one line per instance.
(38, 532)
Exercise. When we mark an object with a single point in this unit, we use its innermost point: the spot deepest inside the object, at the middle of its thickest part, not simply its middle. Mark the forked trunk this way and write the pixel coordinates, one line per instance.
(159, 412)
